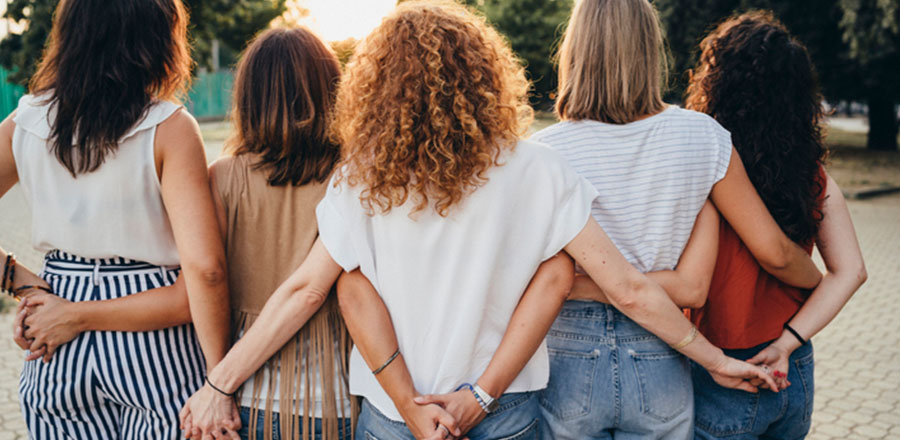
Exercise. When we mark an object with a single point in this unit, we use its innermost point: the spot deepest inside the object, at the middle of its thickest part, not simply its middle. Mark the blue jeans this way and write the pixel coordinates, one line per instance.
(517, 418)
(724, 413)
(343, 427)
(610, 378)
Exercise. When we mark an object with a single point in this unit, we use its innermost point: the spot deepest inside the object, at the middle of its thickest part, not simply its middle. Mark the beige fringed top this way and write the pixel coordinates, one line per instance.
(269, 231)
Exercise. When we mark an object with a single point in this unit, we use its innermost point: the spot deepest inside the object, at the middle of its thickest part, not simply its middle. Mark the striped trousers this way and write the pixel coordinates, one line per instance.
(110, 385)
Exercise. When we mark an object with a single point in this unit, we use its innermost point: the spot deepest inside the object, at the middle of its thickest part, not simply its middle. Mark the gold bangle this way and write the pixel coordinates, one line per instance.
(687, 339)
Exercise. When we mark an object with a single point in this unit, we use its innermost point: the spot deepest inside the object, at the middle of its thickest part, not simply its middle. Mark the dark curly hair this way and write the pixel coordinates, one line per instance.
(758, 82)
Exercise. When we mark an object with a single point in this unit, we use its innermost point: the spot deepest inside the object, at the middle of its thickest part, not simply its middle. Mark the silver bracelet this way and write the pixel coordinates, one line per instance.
(386, 363)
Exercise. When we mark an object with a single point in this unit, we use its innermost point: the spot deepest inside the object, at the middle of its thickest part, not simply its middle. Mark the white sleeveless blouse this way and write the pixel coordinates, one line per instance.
(115, 211)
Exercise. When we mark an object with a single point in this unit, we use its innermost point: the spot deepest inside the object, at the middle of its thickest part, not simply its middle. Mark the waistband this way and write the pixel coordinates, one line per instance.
(62, 263)
(593, 310)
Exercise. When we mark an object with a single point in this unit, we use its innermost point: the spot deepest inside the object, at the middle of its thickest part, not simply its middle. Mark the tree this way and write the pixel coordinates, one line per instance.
(231, 22)
(19, 53)
(533, 28)
(854, 44)
(872, 31)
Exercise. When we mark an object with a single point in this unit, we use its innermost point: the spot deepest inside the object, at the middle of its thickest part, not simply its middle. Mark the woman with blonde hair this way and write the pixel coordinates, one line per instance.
(449, 214)
(654, 166)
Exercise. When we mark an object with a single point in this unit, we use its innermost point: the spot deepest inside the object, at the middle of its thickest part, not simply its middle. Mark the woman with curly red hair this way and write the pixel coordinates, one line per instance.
(448, 214)
(758, 82)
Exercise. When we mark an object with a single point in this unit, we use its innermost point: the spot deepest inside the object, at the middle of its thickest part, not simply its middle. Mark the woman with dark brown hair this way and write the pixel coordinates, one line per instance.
(266, 191)
(758, 82)
(115, 173)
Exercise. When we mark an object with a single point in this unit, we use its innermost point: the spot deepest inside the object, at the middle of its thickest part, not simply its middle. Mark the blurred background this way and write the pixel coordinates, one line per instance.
(855, 45)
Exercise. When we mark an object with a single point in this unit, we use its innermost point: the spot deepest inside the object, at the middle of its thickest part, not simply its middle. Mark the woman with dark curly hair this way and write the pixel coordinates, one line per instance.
(449, 214)
(758, 82)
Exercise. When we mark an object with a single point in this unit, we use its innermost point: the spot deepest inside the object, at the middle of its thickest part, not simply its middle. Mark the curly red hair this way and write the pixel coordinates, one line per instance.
(430, 100)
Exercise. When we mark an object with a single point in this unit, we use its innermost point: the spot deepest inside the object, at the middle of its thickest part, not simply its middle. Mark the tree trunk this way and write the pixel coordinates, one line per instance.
(882, 124)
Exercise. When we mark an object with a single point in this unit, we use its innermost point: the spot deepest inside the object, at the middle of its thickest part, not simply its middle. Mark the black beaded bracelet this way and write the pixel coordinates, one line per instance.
(790, 329)
(218, 389)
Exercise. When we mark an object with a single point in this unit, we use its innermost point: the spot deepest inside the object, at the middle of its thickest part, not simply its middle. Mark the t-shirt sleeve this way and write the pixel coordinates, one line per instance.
(723, 147)
(571, 208)
(334, 228)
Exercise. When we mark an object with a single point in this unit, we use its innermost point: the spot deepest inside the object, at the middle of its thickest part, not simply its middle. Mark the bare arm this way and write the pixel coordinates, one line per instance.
(370, 326)
(59, 320)
(285, 312)
(9, 176)
(688, 284)
(647, 304)
(736, 198)
(188, 201)
(846, 272)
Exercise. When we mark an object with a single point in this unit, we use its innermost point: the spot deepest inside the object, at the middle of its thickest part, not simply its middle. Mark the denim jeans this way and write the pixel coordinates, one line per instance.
(517, 418)
(343, 430)
(724, 413)
(610, 378)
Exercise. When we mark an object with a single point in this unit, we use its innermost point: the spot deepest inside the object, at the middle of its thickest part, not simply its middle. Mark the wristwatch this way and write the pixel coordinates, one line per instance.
(488, 403)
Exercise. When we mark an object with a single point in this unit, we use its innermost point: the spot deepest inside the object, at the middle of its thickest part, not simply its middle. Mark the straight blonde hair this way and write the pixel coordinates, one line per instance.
(612, 63)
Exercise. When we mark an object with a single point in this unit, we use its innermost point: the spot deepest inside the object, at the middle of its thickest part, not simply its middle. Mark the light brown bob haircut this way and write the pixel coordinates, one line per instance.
(612, 63)
(284, 93)
(429, 102)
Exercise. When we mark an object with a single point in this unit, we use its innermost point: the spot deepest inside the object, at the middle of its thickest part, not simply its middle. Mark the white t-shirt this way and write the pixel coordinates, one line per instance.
(452, 283)
(653, 176)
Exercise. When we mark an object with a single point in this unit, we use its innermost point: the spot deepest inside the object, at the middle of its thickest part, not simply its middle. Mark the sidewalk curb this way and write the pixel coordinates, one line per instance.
(870, 193)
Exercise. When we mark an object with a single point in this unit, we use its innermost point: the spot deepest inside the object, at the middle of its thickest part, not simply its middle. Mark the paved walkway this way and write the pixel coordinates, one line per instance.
(857, 356)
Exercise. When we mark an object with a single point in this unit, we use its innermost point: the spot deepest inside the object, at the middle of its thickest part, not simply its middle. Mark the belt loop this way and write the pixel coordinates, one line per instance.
(610, 318)
(97, 272)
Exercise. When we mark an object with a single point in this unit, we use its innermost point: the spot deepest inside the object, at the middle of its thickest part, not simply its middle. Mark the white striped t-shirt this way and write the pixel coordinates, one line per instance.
(653, 176)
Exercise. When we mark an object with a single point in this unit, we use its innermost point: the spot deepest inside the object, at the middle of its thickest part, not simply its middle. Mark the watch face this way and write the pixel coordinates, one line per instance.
(493, 406)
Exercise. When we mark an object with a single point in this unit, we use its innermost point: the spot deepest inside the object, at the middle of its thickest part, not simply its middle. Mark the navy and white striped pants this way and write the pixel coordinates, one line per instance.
(110, 385)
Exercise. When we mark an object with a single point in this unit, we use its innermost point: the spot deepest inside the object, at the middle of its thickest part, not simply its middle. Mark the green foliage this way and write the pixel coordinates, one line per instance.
(20, 53)
(533, 28)
(232, 22)
(854, 44)
(871, 29)
(344, 49)
(814, 22)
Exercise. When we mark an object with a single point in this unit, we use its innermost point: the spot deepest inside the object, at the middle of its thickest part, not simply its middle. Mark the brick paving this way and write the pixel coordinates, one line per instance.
(857, 356)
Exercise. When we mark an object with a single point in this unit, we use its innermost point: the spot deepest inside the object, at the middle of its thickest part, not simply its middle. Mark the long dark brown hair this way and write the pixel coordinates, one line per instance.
(104, 63)
(758, 82)
(284, 92)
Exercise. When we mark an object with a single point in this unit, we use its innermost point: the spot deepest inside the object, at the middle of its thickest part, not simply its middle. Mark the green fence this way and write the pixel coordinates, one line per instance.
(209, 97)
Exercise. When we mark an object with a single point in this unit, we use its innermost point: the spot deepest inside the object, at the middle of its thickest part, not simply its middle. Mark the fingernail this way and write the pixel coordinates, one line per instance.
(418, 399)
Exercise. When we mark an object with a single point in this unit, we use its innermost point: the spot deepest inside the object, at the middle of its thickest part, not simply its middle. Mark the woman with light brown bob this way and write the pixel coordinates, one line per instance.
(448, 214)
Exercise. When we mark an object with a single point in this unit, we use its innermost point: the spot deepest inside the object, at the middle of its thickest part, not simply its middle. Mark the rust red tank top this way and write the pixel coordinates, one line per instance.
(746, 306)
